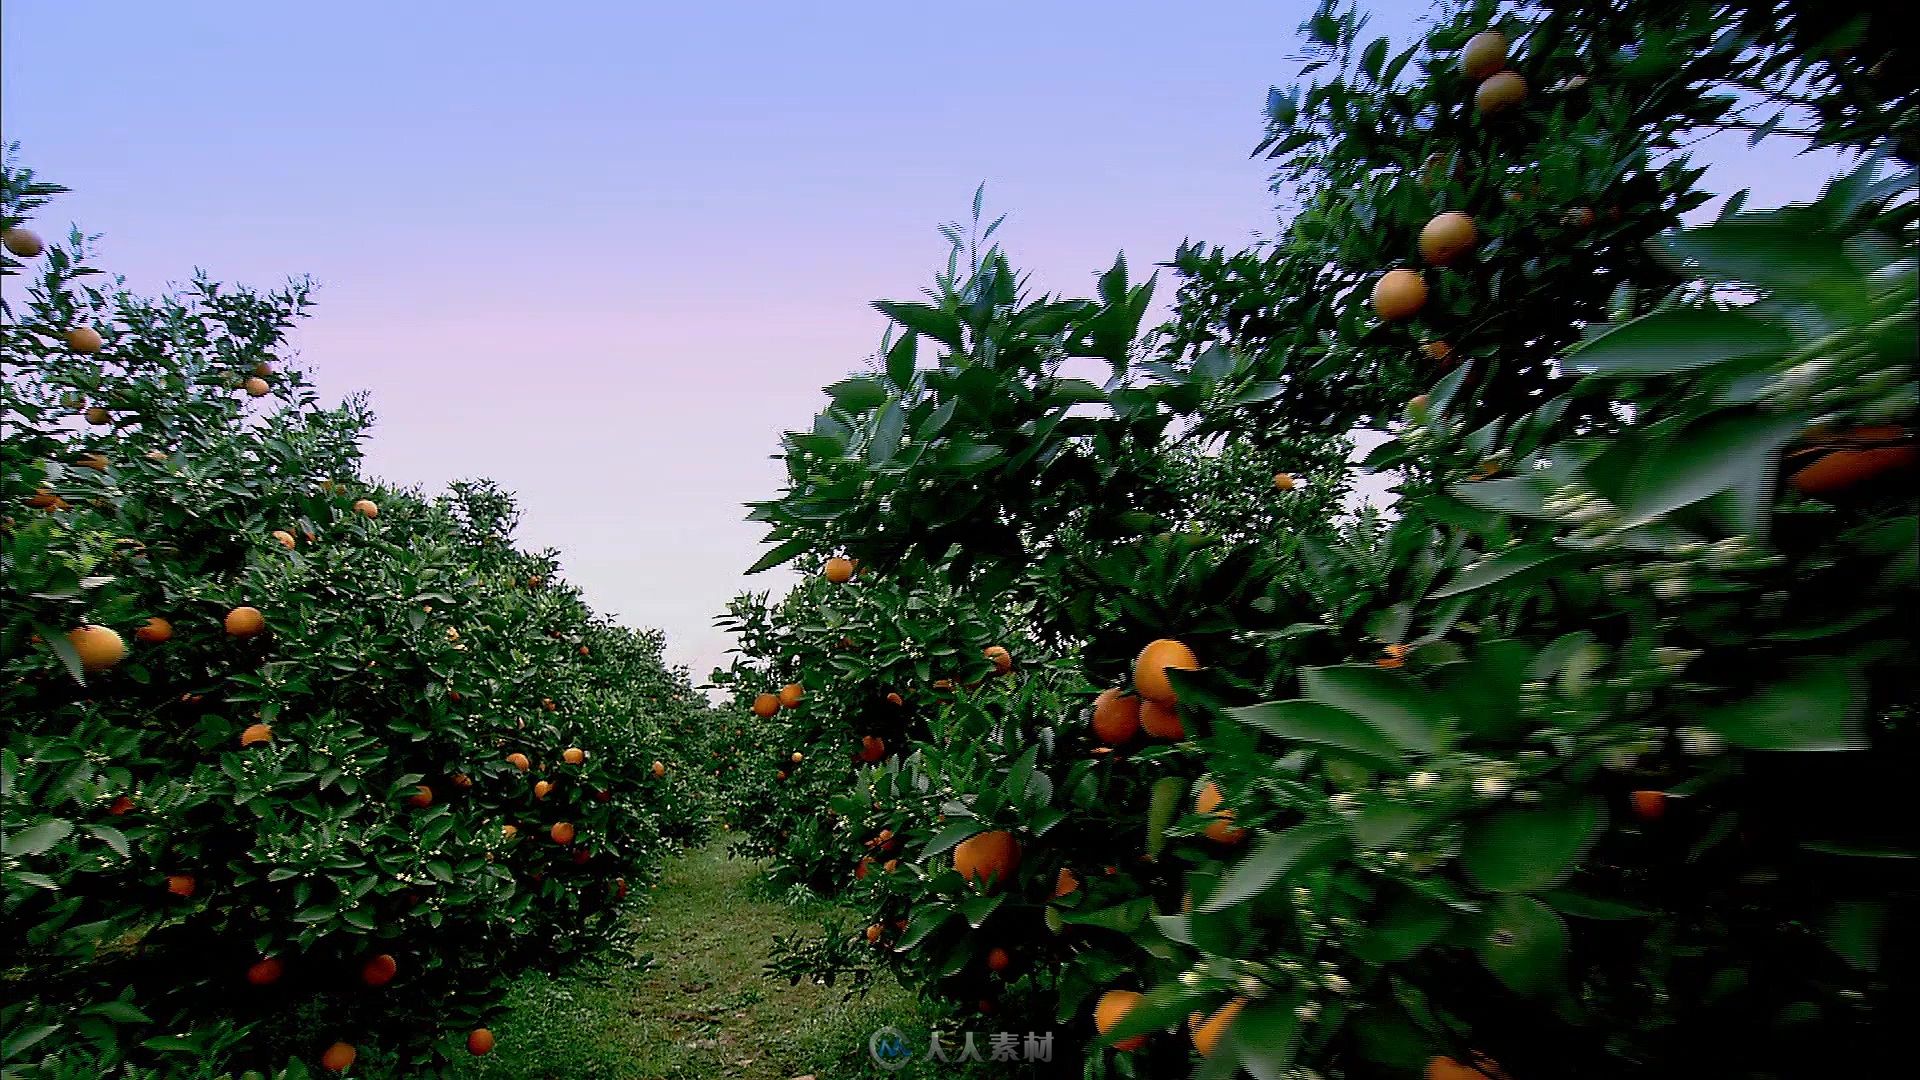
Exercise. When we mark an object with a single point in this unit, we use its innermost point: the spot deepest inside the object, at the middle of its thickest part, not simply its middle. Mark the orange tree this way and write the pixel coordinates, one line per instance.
(1583, 758)
(293, 759)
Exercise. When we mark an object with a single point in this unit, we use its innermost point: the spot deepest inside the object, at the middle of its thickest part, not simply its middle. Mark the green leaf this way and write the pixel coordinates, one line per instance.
(1522, 849)
(1324, 725)
(38, 838)
(1383, 825)
(1524, 944)
(977, 908)
(950, 836)
(942, 326)
(1484, 692)
(1126, 917)
(886, 433)
(781, 554)
(858, 394)
(900, 361)
(1407, 924)
(924, 920)
(1675, 340)
(1582, 906)
(1725, 452)
(1535, 559)
(1395, 705)
(18, 1042)
(1855, 929)
(1158, 1009)
(1267, 1036)
(1274, 854)
(1816, 709)
(1168, 794)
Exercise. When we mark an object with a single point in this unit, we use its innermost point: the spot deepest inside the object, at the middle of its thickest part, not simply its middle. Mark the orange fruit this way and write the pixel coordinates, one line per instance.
(1399, 294)
(42, 499)
(1112, 1007)
(266, 971)
(421, 798)
(798, 757)
(509, 831)
(1284, 482)
(263, 369)
(988, 857)
(547, 703)
(461, 780)
(1116, 717)
(780, 774)
(1485, 53)
(1161, 721)
(890, 865)
(1841, 471)
(257, 387)
(562, 833)
(1066, 884)
(180, 884)
(379, 970)
(121, 807)
(285, 538)
(84, 339)
(1445, 1068)
(943, 684)
(99, 647)
(24, 243)
(1221, 830)
(998, 959)
(1649, 805)
(1447, 237)
(872, 748)
(542, 788)
(255, 735)
(659, 769)
(245, 622)
(519, 761)
(1580, 218)
(573, 755)
(366, 508)
(480, 1040)
(765, 705)
(1150, 669)
(1002, 659)
(893, 698)
(98, 416)
(1501, 91)
(860, 871)
(338, 1058)
(1437, 350)
(96, 462)
(791, 694)
(1206, 1034)
(839, 570)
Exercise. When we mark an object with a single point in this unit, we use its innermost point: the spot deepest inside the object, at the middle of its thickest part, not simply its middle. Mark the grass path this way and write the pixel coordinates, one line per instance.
(703, 1008)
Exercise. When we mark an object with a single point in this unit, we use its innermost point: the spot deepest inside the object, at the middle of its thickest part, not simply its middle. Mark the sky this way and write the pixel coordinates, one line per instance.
(606, 251)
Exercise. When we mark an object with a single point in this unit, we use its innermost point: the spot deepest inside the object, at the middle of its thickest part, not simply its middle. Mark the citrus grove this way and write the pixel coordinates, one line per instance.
(1583, 758)
(300, 770)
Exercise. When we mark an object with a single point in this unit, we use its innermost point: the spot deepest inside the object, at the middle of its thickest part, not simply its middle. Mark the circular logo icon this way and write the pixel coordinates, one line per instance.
(889, 1048)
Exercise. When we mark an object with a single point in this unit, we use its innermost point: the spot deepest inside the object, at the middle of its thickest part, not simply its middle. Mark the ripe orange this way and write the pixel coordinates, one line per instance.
(98, 416)
(255, 735)
(659, 769)
(1437, 350)
(366, 508)
(542, 788)
(257, 387)
(1284, 482)
(24, 243)
(1649, 805)
(1580, 218)
(263, 369)
(480, 1040)
(84, 339)
(96, 462)
(988, 857)
(421, 798)
(998, 959)
(338, 1058)
(791, 694)
(1206, 1034)
(861, 869)
(839, 570)
(99, 647)
(461, 780)
(519, 761)
(1161, 721)
(1399, 294)
(562, 833)
(1447, 237)
(285, 538)
(180, 884)
(1221, 830)
(1841, 471)
(1150, 669)
(245, 622)
(1445, 1068)
(121, 806)
(765, 705)
(943, 684)
(42, 499)
(1112, 1007)
(1066, 884)
(509, 831)
(1501, 91)
(872, 748)
(873, 933)
(1002, 659)
(1486, 53)
(780, 775)
(573, 755)
(1116, 717)
(547, 703)
(798, 757)
(379, 970)
(266, 971)
(893, 698)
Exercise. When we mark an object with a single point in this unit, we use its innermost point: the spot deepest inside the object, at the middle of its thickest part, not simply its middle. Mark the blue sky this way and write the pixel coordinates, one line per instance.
(605, 252)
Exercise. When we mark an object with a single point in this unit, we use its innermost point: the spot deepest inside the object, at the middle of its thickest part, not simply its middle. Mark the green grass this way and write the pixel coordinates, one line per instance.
(703, 1006)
